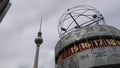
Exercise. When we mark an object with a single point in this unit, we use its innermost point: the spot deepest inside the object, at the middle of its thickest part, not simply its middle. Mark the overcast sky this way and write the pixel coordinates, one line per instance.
(21, 24)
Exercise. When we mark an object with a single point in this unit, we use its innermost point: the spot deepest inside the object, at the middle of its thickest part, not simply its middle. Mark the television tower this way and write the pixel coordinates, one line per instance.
(86, 41)
(38, 42)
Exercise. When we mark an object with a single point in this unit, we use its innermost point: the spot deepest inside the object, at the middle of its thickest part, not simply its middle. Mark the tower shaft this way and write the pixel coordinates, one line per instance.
(36, 57)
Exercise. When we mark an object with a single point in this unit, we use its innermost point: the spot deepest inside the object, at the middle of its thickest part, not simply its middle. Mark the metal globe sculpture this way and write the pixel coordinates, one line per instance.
(78, 17)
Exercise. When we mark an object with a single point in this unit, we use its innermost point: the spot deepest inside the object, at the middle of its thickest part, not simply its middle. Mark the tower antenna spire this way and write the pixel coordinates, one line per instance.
(40, 33)
(40, 24)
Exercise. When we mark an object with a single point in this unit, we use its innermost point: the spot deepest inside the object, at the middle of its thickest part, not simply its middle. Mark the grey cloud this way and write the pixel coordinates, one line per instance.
(23, 66)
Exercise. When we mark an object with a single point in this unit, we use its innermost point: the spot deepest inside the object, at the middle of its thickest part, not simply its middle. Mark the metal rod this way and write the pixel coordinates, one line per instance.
(36, 57)
(74, 20)
(95, 21)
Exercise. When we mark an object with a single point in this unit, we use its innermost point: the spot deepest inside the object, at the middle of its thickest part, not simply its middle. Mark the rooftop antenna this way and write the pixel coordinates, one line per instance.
(38, 42)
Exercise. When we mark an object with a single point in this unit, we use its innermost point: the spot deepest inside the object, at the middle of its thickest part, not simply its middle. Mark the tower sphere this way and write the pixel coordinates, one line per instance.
(38, 40)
